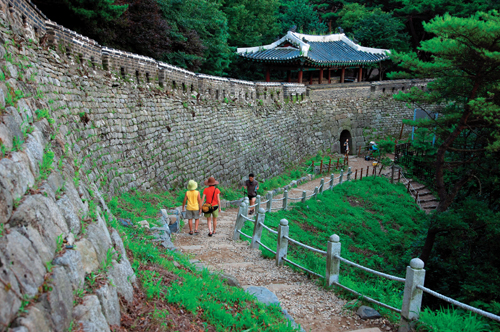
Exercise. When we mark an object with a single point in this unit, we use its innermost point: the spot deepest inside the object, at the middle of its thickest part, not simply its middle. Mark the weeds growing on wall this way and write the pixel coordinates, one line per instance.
(201, 293)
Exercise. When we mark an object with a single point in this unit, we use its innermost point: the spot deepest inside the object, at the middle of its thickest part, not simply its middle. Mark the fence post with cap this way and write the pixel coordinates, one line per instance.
(282, 248)
(257, 202)
(315, 194)
(239, 221)
(349, 174)
(412, 297)
(285, 200)
(322, 185)
(332, 178)
(257, 230)
(341, 178)
(304, 195)
(270, 201)
(332, 263)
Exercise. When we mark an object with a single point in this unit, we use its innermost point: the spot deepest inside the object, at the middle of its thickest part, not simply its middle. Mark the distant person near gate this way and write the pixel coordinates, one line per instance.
(251, 186)
(346, 147)
(193, 206)
(211, 206)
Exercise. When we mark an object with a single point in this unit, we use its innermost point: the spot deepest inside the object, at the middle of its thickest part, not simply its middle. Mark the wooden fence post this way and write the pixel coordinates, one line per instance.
(341, 176)
(332, 178)
(304, 194)
(338, 163)
(282, 248)
(332, 263)
(329, 164)
(321, 167)
(367, 171)
(257, 230)
(361, 175)
(285, 200)
(239, 221)
(270, 201)
(392, 174)
(399, 175)
(412, 298)
(356, 174)
(322, 185)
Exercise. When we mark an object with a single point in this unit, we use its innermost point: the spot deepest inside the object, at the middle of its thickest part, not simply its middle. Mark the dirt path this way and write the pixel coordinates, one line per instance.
(315, 308)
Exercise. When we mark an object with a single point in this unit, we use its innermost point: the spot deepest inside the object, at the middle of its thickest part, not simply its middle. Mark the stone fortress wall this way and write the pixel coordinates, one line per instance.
(139, 123)
(110, 130)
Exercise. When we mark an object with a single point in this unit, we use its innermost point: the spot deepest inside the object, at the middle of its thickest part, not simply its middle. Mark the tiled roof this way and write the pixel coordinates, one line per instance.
(331, 50)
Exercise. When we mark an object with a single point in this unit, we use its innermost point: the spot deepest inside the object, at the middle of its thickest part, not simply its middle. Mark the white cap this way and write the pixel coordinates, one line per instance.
(372, 142)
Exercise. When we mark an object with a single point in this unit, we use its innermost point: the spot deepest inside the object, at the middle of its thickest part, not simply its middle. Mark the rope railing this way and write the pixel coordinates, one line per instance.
(247, 236)
(459, 304)
(278, 199)
(305, 245)
(269, 229)
(248, 219)
(303, 268)
(264, 246)
(295, 198)
(367, 298)
(415, 274)
(380, 274)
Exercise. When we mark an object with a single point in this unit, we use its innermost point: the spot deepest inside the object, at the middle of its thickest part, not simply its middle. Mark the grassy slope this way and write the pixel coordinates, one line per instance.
(201, 293)
(378, 224)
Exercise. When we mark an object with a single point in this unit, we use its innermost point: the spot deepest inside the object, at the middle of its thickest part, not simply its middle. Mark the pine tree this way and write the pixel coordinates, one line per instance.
(465, 68)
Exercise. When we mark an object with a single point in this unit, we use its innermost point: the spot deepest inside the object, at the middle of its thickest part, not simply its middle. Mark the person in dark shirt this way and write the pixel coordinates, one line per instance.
(251, 186)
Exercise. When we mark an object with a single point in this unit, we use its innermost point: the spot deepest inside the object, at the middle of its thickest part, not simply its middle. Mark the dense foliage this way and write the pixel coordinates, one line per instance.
(203, 35)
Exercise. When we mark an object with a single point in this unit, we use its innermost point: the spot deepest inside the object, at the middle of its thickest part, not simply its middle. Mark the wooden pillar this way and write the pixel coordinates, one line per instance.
(329, 76)
(311, 78)
(289, 76)
(360, 74)
(268, 74)
(301, 73)
(342, 75)
(320, 81)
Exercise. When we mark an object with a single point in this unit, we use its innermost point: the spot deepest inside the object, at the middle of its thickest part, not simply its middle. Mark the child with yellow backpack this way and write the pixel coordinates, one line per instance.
(193, 206)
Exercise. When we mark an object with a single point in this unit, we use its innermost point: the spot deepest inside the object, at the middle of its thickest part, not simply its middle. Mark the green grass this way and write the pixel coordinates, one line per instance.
(449, 320)
(202, 293)
(372, 232)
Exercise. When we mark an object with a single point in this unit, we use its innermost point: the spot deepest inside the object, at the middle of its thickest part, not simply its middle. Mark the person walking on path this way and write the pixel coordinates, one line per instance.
(212, 196)
(193, 199)
(251, 186)
(346, 147)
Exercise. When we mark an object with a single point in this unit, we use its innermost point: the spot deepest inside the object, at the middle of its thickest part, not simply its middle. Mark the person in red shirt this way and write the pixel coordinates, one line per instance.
(212, 196)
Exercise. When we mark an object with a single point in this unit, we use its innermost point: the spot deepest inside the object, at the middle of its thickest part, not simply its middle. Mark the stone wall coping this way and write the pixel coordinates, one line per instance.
(171, 68)
(71, 32)
(216, 78)
(107, 50)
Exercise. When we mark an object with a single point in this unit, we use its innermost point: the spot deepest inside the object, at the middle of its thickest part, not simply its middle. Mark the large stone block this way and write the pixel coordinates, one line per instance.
(108, 297)
(89, 315)
(71, 260)
(61, 300)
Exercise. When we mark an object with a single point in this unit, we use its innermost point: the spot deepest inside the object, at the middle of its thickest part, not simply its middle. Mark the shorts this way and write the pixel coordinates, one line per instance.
(192, 214)
(214, 214)
(250, 197)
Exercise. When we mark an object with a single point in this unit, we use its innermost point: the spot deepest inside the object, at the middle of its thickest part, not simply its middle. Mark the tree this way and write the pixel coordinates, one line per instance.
(87, 17)
(415, 12)
(466, 92)
(301, 14)
(373, 28)
(250, 23)
(199, 32)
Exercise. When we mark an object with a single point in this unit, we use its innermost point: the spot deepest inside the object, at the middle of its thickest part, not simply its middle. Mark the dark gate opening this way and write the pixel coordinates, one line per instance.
(344, 136)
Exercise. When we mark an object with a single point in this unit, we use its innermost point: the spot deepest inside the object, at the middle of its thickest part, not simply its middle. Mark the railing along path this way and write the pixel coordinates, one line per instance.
(415, 273)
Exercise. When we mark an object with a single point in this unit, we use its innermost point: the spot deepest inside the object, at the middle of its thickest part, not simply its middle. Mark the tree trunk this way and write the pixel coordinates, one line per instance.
(429, 243)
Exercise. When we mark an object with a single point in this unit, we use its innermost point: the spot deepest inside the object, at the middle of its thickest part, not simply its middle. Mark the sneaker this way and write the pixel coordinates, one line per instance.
(209, 234)
(250, 212)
